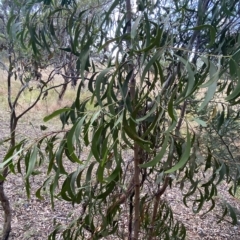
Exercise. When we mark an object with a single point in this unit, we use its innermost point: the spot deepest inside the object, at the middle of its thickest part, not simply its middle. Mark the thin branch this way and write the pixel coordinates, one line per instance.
(156, 204)
(38, 98)
(56, 86)
(30, 107)
(183, 110)
(18, 95)
(225, 144)
(4, 66)
(9, 82)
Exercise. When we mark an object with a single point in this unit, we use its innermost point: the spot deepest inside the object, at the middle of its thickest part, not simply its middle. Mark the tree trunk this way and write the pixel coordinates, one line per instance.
(136, 225)
(3, 197)
(6, 208)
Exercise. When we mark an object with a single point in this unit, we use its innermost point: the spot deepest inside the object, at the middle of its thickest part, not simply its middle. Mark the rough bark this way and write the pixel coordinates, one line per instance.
(6, 209)
(3, 197)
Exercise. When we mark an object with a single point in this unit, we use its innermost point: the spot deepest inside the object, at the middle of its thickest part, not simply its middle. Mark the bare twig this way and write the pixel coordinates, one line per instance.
(183, 110)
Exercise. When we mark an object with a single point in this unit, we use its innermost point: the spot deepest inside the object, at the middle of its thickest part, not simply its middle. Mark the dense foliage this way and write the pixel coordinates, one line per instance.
(165, 80)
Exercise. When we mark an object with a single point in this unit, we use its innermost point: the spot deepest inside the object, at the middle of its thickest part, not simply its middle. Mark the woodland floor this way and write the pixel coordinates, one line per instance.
(33, 218)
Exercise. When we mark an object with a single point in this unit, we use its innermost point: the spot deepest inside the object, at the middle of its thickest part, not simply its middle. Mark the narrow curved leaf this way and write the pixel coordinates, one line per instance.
(209, 95)
(56, 113)
(159, 156)
(71, 138)
(150, 63)
(32, 161)
(131, 132)
(191, 78)
(185, 156)
(135, 27)
(236, 91)
(171, 110)
(99, 80)
(200, 122)
(212, 32)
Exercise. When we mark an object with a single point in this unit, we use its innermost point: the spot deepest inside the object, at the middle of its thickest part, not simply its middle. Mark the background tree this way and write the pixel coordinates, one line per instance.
(22, 63)
(167, 60)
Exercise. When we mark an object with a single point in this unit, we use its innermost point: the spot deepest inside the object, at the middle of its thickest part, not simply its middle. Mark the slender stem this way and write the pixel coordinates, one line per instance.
(137, 192)
(6, 208)
(131, 207)
(3, 197)
(38, 97)
(183, 110)
(9, 80)
(156, 204)
(225, 144)
(136, 147)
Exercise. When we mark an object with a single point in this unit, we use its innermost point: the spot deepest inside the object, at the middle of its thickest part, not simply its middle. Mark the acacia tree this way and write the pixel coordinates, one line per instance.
(164, 56)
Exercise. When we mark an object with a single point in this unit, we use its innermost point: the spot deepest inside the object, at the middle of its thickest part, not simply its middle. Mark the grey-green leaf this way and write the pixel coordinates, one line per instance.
(32, 161)
(159, 156)
(185, 156)
(56, 113)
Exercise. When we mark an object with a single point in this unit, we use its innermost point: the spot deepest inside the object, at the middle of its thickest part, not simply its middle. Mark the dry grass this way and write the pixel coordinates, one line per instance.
(46, 105)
